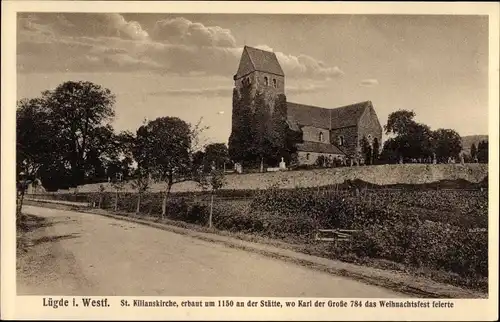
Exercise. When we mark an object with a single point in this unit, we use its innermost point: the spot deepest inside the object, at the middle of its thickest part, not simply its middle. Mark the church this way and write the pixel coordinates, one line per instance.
(334, 133)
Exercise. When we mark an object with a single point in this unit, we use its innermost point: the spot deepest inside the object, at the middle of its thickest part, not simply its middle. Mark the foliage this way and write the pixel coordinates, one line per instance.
(390, 152)
(260, 133)
(213, 180)
(399, 122)
(415, 141)
(73, 122)
(166, 143)
(81, 111)
(216, 154)
(482, 152)
(366, 150)
(34, 137)
(242, 134)
(447, 144)
(473, 152)
(262, 146)
(321, 161)
(375, 151)
(164, 147)
(427, 229)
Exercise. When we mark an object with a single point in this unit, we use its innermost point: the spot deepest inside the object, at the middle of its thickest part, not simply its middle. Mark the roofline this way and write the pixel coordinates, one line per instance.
(343, 127)
(333, 108)
(257, 70)
(250, 56)
(266, 51)
(362, 102)
(341, 152)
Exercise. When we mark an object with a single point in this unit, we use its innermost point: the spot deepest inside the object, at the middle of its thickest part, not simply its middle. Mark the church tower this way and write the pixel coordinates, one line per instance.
(258, 72)
(261, 70)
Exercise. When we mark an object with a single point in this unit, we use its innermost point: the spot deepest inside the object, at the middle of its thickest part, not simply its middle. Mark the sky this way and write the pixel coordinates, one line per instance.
(182, 64)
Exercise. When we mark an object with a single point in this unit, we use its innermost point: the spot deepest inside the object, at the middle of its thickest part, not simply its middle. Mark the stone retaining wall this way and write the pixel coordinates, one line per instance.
(378, 174)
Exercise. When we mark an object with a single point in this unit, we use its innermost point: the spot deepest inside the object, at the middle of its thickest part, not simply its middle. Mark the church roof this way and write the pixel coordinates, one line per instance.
(253, 59)
(326, 118)
(319, 147)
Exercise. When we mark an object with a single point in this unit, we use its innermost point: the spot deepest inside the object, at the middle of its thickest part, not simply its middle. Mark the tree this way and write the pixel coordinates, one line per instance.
(35, 144)
(241, 140)
(101, 191)
(198, 162)
(34, 137)
(141, 183)
(283, 139)
(216, 154)
(215, 180)
(21, 186)
(376, 151)
(390, 152)
(399, 122)
(366, 150)
(166, 145)
(81, 111)
(412, 140)
(262, 145)
(447, 144)
(473, 152)
(482, 152)
(118, 184)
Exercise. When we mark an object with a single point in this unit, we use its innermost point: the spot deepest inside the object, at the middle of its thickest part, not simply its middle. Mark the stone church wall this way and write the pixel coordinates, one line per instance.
(311, 133)
(350, 135)
(369, 126)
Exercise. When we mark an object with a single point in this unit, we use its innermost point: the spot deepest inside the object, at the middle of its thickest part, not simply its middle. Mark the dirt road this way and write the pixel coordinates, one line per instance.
(83, 254)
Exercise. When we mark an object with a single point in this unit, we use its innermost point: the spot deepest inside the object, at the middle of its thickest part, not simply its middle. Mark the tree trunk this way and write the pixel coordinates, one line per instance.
(100, 201)
(164, 205)
(165, 199)
(20, 208)
(138, 208)
(211, 210)
(261, 164)
(116, 200)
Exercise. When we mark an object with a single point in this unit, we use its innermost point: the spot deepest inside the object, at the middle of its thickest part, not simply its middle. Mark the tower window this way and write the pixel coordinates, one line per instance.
(307, 156)
(341, 140)
(320, 136)
(266, 81)
(275, 83)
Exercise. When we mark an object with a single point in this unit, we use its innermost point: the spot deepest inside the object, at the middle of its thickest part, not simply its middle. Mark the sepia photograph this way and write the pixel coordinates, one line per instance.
(218, 156)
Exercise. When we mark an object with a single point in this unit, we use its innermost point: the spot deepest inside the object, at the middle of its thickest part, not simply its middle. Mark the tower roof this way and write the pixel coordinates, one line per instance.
(253, 59)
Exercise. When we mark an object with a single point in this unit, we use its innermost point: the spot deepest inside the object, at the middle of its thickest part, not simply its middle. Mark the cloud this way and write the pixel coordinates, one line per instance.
(369, 82)
(183, 31)
(108, 42)
(213, 91)
(82, 24)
